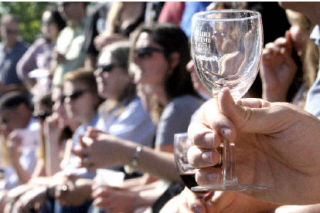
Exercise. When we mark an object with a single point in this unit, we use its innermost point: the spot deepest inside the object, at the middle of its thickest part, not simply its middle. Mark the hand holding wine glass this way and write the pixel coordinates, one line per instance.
(226, 48)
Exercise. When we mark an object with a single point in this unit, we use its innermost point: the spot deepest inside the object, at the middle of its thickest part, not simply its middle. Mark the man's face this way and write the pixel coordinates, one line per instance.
(10, 32)
(71, 11)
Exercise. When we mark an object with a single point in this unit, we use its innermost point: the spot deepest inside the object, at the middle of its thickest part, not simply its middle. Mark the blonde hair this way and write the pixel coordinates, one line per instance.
(5, 160)
(311, 52)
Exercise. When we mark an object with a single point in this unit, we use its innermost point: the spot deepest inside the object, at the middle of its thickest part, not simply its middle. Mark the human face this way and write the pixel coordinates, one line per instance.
(10, 33)
(197, 85)
(49, 29)
(71, 11)
(111, 79)
(79, 101)
(153, 67)
(10, 119)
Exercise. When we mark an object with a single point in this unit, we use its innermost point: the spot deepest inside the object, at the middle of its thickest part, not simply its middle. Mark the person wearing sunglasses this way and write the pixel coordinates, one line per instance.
(81, 101)
(160, 54)
(122, 114)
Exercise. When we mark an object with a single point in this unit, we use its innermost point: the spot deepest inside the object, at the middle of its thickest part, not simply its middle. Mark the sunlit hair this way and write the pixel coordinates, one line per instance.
(311, 54)
(56, 17)
(86, 77)
(119, 51)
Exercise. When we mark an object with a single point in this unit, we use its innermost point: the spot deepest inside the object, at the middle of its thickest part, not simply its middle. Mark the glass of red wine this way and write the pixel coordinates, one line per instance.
(185, 169)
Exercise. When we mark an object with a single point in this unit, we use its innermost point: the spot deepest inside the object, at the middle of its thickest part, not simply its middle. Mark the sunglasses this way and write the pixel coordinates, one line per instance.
(146, 52)
(41, 116)
(4, 120)
(12, 31)
(107, 68)
(75, 95)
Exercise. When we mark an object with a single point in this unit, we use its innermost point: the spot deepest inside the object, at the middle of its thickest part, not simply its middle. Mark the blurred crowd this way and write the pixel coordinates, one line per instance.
(89, 110)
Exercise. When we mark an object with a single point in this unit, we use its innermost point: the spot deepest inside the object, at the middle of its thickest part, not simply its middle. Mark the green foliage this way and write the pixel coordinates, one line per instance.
(29, 15)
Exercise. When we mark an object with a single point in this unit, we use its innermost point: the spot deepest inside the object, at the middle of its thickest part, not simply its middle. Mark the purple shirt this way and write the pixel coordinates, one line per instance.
(38, 56)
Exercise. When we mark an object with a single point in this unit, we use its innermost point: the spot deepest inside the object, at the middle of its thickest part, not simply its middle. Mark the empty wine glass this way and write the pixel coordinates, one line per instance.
(226, 47)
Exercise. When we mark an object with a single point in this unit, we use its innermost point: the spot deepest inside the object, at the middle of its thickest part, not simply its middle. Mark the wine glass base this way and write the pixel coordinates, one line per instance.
(227, 187)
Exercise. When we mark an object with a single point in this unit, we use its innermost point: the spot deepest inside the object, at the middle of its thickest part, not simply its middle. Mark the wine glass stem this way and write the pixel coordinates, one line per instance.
(228, 166)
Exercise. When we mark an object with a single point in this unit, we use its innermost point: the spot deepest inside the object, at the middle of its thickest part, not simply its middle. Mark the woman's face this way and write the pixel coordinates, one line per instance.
(49, 29)
(79, 101)
(111, 79)
(153, 67)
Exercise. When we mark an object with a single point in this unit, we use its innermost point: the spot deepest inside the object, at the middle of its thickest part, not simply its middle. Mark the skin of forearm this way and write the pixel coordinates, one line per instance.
(23, 175)
(144, 187)
(52, 161)
(165, 168)
(149, 196)
(274, 95)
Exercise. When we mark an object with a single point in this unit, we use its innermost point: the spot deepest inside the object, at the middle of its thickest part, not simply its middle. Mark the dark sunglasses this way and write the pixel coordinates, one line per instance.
(107, 68)
(75, 95)
(65, 4)
(12, 31)
(146, 52)
(41, 116)
(4, 120)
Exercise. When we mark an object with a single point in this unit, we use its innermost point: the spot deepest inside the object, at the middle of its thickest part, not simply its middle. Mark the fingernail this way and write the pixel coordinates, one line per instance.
(226, 133)
(207, 156)
(213, 177)
(209, 139)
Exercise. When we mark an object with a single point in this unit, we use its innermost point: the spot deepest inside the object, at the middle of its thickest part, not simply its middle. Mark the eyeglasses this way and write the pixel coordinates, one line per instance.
(146, 52)
(47, 22)
(64, 4)
(12, 31)
(107, 68)
(4, 120)
(75, 95)
(42, 116)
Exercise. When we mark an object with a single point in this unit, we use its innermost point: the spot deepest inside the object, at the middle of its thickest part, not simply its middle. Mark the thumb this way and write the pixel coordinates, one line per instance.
(248, 115)
(81, 142)
(289, 41)
(92, 132)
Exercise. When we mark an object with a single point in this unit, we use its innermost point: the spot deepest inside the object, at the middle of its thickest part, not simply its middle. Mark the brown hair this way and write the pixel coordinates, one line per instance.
(173, 40)
(86, 77)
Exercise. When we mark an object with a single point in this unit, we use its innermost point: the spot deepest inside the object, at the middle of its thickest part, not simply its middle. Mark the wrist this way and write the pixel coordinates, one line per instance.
(274, 95)
(133, 161)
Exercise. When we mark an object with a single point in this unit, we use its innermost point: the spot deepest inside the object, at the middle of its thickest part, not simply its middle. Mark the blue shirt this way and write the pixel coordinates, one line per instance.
(72, 166)
(313, 97)
(8, 63)
(190, 9)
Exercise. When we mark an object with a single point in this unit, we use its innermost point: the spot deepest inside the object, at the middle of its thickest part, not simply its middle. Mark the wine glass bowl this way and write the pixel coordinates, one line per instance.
(185, 169)
(226, 47)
